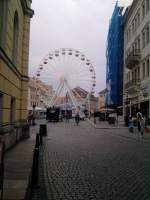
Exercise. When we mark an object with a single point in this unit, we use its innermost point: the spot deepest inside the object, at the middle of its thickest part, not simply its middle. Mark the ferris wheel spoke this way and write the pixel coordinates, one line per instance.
(81, 74)
(77, 79)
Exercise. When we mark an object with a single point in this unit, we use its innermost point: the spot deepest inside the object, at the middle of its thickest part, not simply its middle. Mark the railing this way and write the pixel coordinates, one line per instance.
(133, 85)
(133, 58)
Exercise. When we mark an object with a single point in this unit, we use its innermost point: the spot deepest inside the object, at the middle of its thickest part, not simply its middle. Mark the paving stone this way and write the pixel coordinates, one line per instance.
(86, 163)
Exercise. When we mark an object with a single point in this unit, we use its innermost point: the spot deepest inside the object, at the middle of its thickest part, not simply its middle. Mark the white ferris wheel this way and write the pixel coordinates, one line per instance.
(70, 73)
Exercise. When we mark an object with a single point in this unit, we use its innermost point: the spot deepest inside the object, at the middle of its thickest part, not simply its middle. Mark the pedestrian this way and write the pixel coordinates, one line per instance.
(67, 116)
(33, 115)
(131, 125)
(139, 116)
(77, 118)
(29, 117)
(142, 126)
(94, 117)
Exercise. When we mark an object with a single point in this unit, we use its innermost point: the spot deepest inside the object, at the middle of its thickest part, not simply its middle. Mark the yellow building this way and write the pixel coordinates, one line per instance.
(14, 51)
(39, 94)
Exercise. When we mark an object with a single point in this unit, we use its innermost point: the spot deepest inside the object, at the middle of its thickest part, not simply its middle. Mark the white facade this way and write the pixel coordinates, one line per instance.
(101, 99)
(137, 59)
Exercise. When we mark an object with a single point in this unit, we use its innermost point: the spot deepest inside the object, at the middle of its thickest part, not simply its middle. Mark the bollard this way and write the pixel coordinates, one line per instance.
(35, 169)
(37, 142)
(43, 129)
(41, 139)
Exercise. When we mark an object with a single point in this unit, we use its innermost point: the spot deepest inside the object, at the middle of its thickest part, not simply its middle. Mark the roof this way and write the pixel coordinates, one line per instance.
(130, 11)
(103, 91)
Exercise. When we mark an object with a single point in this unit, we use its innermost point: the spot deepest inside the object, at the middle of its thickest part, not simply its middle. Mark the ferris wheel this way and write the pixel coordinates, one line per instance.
(70, 73)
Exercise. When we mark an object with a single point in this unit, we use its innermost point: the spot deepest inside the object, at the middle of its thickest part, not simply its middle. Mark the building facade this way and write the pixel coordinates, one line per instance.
(102, 99)
(14, 51)
(114, 56)
(89, 100)
(137, 59)
(39, 94)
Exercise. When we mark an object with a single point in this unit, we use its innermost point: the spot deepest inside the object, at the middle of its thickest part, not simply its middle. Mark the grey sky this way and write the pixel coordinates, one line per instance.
(77, 24)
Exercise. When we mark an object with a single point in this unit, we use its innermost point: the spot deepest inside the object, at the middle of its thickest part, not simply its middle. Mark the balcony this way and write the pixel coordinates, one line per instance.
(133, 86)
(133, 59)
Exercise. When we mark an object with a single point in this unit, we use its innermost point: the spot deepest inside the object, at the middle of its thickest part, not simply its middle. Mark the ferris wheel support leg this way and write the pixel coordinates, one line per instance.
(81, 99)
(71, 94)
(57, 92)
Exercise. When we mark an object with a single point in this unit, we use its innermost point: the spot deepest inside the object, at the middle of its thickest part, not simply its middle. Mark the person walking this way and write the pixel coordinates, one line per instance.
(131, 125)
(77, 118)
(67, 116)
(139, 116)
(142, 126)
(33, 115)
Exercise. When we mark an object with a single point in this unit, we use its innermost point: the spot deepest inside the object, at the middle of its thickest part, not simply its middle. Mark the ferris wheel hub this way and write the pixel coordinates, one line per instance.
(62, 79)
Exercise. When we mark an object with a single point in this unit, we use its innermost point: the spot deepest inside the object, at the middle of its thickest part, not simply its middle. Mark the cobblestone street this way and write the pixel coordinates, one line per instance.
(84, 163)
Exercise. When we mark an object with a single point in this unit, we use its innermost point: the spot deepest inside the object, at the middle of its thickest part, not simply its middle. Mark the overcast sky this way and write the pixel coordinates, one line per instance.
(77, 24)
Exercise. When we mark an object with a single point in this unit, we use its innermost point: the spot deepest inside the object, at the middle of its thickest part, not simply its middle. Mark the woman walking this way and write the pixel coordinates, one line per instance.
(142, 125)
(77, 118)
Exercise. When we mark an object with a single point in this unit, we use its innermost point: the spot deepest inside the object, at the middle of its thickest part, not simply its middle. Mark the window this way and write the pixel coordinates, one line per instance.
(12, 109)
(143, 71)
(15, 38)
(138, 18)
(135, 75)
(133, 28)
(3, 18)
(129, 33)
(138, 73)
(143, 9)
(147, 34)
(147, 6)
(127, 37)
(136, 25)
(139, 43)
(1, 108)
(148, 69)
(143, 38)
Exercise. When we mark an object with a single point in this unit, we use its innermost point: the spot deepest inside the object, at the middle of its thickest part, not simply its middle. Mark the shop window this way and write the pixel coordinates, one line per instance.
(12, 109)
(15, 38)
(1, 108)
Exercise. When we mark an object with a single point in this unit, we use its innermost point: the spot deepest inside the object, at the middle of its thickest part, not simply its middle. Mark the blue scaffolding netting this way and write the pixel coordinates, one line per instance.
(114, 56)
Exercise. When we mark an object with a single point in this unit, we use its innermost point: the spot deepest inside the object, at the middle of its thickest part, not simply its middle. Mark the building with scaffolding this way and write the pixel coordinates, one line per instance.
(114, 56)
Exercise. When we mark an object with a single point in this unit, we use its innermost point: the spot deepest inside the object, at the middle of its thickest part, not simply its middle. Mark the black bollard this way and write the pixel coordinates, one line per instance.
(37, 142)
(41, 139)
(43, 129)
(35, 169)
